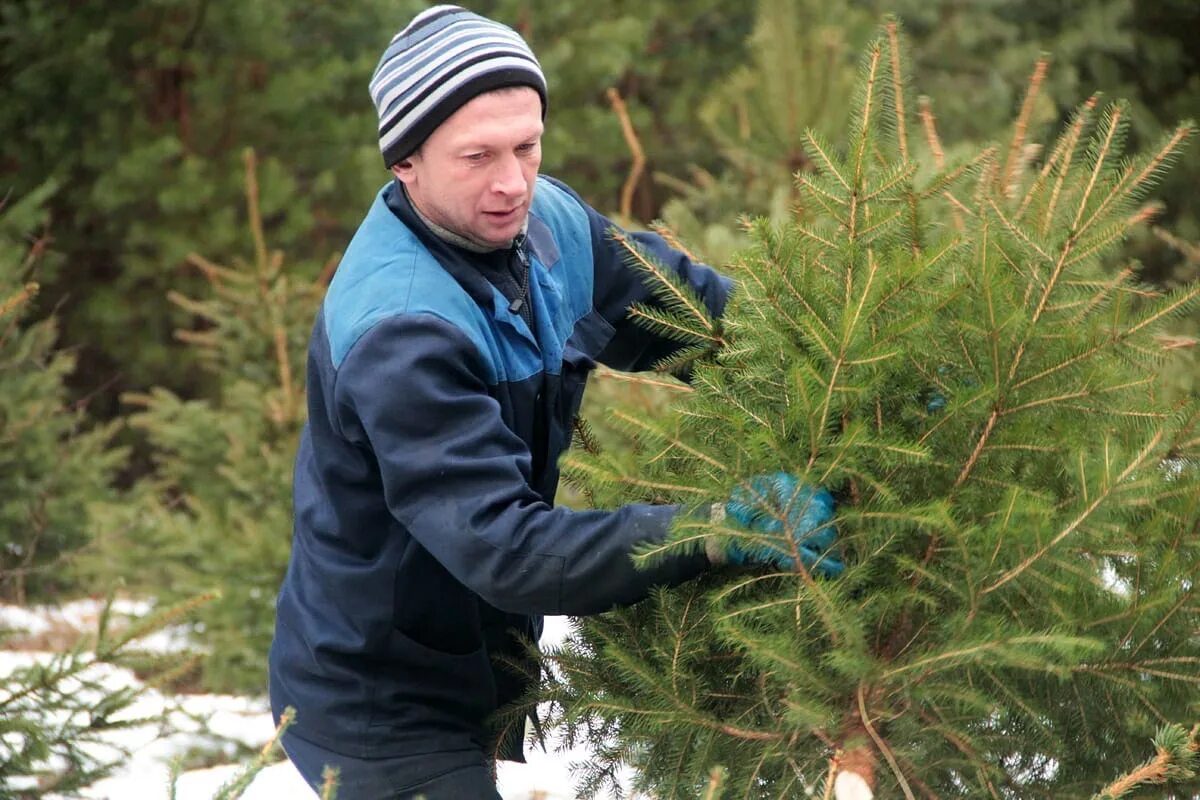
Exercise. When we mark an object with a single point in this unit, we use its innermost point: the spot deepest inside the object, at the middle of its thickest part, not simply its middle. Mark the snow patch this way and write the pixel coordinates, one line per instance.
(216, 724)
(851, 786)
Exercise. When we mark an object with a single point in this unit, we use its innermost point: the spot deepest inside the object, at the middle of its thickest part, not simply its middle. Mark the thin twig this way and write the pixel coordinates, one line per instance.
(635, 148)
(882, 745)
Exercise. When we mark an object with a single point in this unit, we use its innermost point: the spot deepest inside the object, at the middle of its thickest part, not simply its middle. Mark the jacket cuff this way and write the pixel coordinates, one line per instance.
(712, 546)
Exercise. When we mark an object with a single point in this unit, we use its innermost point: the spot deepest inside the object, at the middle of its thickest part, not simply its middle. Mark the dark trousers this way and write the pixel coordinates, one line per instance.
(458, 775)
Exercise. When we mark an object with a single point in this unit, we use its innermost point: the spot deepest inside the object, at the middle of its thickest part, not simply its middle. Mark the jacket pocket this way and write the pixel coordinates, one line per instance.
(423, 686)
(590, 334)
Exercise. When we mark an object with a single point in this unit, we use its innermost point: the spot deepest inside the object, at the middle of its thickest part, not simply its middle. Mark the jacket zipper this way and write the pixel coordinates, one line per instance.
(519, 248)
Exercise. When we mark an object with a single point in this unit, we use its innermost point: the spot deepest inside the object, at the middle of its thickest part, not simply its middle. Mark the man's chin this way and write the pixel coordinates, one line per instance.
(500, 233)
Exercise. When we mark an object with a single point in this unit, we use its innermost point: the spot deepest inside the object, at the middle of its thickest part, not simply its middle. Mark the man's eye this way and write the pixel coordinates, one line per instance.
(476, 157)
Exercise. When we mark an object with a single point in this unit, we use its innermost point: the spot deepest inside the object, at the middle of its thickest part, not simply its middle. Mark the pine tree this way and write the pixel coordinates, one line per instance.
(52, 465)
(59, 714)
(1018, 499)
(141, 111)
(799, 75)
(215, 512)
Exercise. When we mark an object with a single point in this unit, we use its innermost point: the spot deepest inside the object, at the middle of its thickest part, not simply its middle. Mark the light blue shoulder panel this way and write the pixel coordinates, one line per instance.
(387, 272)
(561, 243)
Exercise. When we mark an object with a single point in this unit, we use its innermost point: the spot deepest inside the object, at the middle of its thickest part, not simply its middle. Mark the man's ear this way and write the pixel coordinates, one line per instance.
(403, 170)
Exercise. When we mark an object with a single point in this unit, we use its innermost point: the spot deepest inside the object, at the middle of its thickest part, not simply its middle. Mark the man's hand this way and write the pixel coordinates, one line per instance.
(779, 505)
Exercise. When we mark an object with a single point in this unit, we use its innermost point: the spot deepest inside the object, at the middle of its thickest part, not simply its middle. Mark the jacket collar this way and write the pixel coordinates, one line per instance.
(454, 260)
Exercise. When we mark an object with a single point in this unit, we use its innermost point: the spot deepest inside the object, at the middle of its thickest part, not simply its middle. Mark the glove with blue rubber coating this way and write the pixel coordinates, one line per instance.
(774, 505)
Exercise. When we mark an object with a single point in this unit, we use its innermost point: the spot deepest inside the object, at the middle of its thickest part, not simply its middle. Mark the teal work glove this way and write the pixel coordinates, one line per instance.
(935, 401)
(763, 508)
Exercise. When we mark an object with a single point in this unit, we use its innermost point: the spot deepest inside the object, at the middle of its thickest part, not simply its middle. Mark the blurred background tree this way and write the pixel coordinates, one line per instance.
(214, 512)
(54, 464)
(141, 112)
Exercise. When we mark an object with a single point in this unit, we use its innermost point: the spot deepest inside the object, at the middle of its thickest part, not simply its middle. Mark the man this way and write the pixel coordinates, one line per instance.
(445, 370)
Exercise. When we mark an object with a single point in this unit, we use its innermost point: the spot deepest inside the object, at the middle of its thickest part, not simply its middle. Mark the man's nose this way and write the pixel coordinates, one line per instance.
(509, 179)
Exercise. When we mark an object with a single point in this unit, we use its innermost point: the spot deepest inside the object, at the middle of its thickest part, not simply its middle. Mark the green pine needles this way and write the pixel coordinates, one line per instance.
(948, 350)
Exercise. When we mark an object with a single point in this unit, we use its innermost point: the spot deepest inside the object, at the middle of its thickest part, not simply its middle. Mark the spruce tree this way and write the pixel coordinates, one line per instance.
(1018, 500)
(799, 75)
(61, 714)
(215, 511)
(53, 466)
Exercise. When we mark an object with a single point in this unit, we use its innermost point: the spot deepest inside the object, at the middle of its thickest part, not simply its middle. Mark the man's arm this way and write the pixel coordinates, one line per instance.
(458, 480)
(618, 286)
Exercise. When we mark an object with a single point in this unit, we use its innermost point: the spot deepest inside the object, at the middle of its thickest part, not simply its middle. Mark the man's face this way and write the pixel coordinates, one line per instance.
(475, 174)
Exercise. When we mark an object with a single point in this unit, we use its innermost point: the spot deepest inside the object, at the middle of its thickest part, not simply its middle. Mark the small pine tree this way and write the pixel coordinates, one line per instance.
(215, 512)
(61, 716)
(799, 76)
(52, 466)
(1018, 501)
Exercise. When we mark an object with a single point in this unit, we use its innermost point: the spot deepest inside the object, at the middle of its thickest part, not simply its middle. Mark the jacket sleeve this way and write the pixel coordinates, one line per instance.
(618, 286)
(457, 479)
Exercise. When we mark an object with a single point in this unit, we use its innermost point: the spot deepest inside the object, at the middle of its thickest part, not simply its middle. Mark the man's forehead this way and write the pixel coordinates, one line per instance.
(512, 113)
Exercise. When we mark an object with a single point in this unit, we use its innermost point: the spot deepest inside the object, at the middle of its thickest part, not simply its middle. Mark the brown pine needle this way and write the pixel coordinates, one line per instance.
(326, 274)
(627, 377)
(898, 89)
(252, 205)
(671, 239)
(1144, 214)
(929, 123)
(22, 296)
(1022, 127)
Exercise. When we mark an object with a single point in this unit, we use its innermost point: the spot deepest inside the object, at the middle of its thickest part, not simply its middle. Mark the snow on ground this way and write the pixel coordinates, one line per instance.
(214, 722)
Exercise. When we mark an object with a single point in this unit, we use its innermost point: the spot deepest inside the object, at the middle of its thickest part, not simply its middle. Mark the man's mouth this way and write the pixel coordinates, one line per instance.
(501, 216)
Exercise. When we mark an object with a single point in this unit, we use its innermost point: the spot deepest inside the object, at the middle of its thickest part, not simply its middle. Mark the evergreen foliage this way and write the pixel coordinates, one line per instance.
(1176, 758)
(52, 465)
(663, 56)
(236, 786)
(216, 509)
(799, 75)
(140, 111)
(1019, 502)
(57, 716)
(972, 56)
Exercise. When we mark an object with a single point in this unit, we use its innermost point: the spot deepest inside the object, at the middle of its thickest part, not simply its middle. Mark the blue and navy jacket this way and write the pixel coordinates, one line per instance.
(426, 544)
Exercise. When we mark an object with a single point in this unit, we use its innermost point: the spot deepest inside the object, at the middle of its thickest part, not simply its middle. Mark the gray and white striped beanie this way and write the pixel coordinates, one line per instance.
(443, 58)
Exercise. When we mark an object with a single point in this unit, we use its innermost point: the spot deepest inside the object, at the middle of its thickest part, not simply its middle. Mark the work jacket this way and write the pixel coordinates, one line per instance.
(426, 543)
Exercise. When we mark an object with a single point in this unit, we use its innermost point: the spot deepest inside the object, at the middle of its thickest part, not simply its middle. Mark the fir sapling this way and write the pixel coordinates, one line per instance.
(946, 348)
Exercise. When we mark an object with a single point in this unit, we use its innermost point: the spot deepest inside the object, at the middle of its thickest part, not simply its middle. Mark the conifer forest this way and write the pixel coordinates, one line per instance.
(965, 240)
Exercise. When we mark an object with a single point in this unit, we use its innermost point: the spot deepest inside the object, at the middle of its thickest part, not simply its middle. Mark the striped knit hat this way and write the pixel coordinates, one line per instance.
(443, 58)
